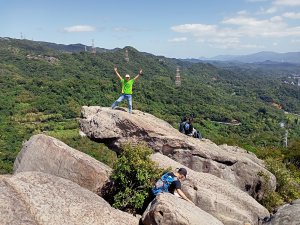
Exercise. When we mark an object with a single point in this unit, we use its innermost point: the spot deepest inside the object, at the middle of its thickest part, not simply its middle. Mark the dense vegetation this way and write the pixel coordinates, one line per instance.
(133, 176)
(43, 89)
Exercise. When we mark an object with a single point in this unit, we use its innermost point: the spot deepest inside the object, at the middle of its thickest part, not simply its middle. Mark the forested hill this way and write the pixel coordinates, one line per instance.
(43, 87)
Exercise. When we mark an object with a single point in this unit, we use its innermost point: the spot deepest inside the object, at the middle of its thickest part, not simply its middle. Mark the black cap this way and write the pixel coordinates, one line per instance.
(182, 171)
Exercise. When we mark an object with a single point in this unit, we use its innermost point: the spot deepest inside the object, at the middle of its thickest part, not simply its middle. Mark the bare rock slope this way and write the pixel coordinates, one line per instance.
(49, 155)
(235, 166)
(167, 209)
(287, 214)
(35, 198)
(217, 197)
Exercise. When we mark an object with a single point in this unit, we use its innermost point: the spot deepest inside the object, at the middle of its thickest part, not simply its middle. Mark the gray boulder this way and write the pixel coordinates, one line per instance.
(237, 167)
(288, 214)
(217, 197)
(35, 198)
(167, 209)
(49, 155)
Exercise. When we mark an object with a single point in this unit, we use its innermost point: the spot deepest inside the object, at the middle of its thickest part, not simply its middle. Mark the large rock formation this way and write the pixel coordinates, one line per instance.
(35, 198)
(287, 214)
(116, 127)
(167, 209)
(217, 197)
(49, 155)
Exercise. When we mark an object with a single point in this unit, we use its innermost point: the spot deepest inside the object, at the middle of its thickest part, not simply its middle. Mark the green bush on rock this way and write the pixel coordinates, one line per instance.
(133, 176)
(287, 187)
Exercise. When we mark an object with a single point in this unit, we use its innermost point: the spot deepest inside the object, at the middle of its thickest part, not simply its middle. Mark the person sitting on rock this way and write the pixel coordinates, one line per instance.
(171, 182)
(182, 125)
(186, 127)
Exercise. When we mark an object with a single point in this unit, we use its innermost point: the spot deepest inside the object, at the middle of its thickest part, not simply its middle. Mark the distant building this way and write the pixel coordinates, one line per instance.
(162, 61)
(126, 56)
(297, 78)
(177, 77)
(93, 47)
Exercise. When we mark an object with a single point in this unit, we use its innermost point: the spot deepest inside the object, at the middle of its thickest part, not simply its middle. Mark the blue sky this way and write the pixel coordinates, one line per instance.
(172, 28)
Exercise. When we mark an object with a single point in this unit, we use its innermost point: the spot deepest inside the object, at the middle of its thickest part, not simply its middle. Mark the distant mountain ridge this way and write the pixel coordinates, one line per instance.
(71, 48)
(260, 57)
(289, 57)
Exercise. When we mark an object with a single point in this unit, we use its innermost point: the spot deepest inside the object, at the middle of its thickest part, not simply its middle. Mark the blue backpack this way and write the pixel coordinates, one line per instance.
(163, 184)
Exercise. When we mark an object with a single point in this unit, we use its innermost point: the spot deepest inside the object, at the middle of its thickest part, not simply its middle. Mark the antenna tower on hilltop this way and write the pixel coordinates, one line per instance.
(93, 47)
(126, 56)
(299, 81)
(177, 77)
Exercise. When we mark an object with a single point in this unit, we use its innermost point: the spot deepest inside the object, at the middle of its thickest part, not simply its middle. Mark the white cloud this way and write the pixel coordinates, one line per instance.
(271, 10)
(243, 21)
(273, 27)
(287, 2)
(292, 15)
(233, 32)
(121, 29)
(276, 19)
(80, 28)
(179, 39)
(278, 5)
(244, 31)
(187, 28)
(242, 12)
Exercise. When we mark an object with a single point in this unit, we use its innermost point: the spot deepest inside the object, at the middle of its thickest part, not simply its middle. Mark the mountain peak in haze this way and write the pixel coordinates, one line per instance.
(289, 57)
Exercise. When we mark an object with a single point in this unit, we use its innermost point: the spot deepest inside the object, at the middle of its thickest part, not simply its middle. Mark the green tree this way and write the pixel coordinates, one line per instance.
(133, 176)
(293, 153)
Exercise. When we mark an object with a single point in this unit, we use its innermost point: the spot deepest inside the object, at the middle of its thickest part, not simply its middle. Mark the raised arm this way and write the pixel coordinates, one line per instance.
(116, 72)
(138, 75)
(180, 192)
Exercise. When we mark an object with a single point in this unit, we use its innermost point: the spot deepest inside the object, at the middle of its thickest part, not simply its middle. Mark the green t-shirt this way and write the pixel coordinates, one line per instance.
(127, 86)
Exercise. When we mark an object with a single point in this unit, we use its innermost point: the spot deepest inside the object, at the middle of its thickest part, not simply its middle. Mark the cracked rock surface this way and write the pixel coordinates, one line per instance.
(230, 163)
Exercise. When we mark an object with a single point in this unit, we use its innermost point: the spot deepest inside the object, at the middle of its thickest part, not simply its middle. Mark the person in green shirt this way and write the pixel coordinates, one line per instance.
(126, 89)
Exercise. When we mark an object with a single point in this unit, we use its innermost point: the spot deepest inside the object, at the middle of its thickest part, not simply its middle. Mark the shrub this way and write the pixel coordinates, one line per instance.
(5, 167)
(133, 176)
(272, 200)
(292, 154)
(287, 186)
